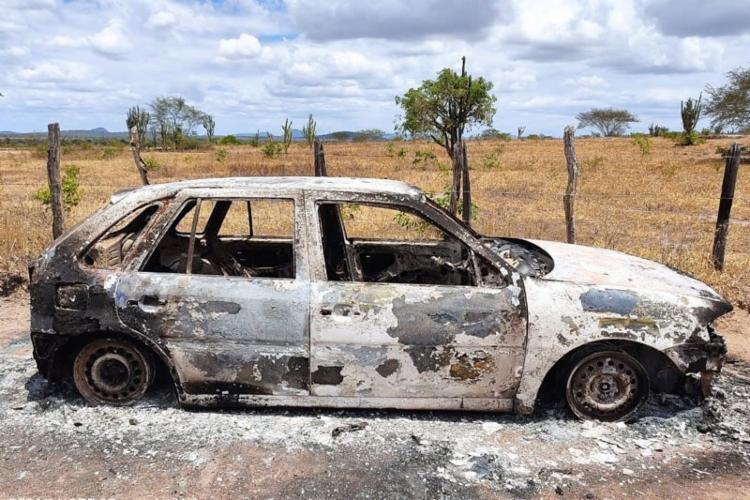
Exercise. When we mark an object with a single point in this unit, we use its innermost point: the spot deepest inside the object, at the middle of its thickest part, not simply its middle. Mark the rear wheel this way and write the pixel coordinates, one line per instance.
(609, 386)
(112, 371)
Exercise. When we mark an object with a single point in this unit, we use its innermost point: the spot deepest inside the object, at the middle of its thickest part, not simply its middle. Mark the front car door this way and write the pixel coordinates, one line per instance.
(234, 320)
(403, 314)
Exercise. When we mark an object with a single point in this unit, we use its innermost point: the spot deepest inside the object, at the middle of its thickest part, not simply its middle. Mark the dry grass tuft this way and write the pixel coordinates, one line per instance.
(661, 206)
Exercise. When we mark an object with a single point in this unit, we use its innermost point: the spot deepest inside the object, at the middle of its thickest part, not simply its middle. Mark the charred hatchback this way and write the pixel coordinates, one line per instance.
(342, 292)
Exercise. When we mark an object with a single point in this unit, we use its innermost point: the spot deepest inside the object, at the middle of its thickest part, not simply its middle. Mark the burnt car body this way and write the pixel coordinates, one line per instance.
(312, 315)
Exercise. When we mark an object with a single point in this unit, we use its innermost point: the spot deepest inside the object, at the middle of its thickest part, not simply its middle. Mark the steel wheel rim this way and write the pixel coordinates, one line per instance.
(609, 386)
(111, 371)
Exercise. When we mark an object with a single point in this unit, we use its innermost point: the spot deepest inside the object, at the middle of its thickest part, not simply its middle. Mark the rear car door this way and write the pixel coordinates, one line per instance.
(235, 320)
(405, 310)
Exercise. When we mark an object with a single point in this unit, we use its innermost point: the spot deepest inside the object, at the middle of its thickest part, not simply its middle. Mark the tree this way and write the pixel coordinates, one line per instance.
(209, 125)
(370, 134)
(609, 122)
(309, 130)
(138, 118)
(174, 119)
(691, 113)
(443, 108)
(729, 106)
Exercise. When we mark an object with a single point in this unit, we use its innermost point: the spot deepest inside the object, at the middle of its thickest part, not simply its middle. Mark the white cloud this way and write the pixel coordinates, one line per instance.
(162, 19)
(245, 46)
(111, 41)
(253, 62)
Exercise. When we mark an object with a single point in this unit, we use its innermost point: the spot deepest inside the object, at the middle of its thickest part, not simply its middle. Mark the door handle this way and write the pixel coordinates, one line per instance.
(152, 301)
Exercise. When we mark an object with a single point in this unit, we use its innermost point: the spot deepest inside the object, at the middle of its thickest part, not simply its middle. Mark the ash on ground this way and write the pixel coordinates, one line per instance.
(356, 454)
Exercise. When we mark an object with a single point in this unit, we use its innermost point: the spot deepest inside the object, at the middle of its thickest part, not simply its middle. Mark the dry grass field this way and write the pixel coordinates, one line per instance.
(661, 205)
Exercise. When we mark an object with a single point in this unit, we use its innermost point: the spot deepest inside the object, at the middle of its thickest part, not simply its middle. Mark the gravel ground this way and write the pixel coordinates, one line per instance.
(53, 445)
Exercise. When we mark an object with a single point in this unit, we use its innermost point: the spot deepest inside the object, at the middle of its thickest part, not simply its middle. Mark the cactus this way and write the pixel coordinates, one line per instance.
(309, 131)
(287, 136)
(691, 113)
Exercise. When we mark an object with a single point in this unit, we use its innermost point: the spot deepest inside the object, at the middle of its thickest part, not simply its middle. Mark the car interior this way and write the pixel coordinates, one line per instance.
(383, 244)
(229, 245)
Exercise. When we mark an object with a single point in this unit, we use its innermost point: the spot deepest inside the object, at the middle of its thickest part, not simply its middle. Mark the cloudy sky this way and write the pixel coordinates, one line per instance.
(251, 63)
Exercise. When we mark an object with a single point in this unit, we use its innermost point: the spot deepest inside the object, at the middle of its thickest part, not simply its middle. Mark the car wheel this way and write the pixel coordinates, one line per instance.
(112, 371)
(609, 386)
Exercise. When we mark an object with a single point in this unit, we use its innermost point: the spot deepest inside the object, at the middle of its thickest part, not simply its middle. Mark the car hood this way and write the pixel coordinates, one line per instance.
(597, 266)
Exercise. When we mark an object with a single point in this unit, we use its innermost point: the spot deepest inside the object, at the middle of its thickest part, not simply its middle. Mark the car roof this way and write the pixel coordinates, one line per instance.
(337, 184)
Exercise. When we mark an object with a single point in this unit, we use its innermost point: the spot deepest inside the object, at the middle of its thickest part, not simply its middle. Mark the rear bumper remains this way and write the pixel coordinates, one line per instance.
(700, 360)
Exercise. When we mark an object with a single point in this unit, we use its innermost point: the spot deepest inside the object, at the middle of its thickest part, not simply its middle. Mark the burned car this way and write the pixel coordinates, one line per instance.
(341, 292)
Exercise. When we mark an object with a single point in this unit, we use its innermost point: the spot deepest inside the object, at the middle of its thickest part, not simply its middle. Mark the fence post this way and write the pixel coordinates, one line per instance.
(456, 181)
(135, 147)
(466, 186)
(569, 199)
(53, 177)
(725, 206)
(320, 159)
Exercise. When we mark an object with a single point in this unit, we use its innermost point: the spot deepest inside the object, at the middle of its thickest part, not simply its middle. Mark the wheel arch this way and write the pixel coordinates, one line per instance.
(664, 375)
(62, 365)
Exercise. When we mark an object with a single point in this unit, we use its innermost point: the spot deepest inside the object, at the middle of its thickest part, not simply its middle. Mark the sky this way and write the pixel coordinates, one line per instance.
(253, 63)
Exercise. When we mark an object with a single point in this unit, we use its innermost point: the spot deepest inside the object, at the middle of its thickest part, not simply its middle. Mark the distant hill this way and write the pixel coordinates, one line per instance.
(94, 133)
(103, 133)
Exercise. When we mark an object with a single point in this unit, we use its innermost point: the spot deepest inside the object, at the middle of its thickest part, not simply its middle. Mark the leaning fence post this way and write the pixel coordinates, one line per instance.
(320, 159)
(725, 206)
(569, 199)
(466, 186)
(53, 177)
(135, 147)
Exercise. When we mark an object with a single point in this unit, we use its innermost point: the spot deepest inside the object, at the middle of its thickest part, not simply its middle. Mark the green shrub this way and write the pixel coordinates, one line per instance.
(643, 143)
(221, 155)
(271, 149)
(229, 140)
(423, 157)
(70, 188)
(152, 165)
(107, 153)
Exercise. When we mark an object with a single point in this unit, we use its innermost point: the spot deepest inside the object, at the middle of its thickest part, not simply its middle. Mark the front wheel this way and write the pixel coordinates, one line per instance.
(112, 371)
(609, 386)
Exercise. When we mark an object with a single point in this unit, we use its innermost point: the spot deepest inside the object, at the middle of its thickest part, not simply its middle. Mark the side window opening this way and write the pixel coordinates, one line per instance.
(251, 238)
(110, 250)
(379, 243)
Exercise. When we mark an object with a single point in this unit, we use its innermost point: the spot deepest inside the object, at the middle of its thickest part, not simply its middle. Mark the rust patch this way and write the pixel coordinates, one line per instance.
(471, 367)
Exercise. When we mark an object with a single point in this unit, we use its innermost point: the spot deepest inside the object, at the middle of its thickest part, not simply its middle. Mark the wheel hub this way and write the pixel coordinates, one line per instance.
(606, 386)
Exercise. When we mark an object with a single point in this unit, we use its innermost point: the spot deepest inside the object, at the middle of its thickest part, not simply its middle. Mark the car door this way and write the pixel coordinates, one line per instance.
(228, 335)
(418, 340)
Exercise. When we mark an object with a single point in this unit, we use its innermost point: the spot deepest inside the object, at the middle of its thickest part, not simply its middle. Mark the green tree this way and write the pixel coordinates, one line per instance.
(444, 108)
(370, 134)
(174, 119)
(609, 122)
(729, 106)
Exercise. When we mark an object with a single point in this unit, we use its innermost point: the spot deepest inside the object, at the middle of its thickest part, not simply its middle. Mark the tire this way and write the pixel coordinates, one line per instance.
(112, 371)
(610, 386)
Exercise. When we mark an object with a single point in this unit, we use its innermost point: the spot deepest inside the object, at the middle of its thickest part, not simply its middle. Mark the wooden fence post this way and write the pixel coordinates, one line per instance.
(569, 199)
(456, 181)
(725, 206)
(53, 177)
(466, 186)
(320, 159)
(135, 147)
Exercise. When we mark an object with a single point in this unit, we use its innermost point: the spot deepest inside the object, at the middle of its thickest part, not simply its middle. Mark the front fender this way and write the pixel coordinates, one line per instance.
(565, 316)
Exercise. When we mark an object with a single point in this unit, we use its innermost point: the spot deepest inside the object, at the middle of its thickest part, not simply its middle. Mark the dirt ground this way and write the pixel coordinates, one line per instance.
(54, 445)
